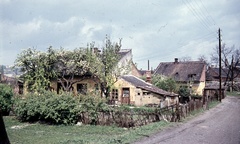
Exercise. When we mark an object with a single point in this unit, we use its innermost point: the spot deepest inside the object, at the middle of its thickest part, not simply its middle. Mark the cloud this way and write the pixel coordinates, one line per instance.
(154, 30)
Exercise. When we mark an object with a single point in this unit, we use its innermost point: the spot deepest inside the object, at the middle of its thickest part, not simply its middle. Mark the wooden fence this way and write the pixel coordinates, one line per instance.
(132, 118)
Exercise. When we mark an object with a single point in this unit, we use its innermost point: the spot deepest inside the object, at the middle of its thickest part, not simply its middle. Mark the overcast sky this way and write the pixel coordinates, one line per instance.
(155, 30)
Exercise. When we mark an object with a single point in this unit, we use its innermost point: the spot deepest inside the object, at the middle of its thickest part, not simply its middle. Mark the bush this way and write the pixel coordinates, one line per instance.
(48, 107)
(6, 95)
(92, 104)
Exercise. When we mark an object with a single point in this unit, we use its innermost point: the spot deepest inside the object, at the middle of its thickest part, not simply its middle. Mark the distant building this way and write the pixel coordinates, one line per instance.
(189, 73)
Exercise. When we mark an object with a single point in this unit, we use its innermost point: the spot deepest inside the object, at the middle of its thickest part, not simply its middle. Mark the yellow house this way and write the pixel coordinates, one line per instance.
(130, 89)
(81, 85)
(188, 73)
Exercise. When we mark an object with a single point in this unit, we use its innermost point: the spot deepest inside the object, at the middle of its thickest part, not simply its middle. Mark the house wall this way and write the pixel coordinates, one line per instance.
(123, 84)
(90, 84)
(134, 71)
(200, 88)
(125, 63)
(151, 98)
(138, 97)
(171, 100)
(197, 87)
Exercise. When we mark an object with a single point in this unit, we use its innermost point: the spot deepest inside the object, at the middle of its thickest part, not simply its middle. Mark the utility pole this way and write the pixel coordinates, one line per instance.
(220, 66)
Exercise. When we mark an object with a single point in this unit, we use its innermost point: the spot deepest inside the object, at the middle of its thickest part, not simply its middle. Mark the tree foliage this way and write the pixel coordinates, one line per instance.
(6, 95)
(41, 67)
(37, 67)
(109, 58)
(165, 83)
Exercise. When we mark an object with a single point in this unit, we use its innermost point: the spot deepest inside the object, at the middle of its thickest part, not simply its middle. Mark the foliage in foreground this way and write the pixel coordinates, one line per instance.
(48, 107)
(6, 95)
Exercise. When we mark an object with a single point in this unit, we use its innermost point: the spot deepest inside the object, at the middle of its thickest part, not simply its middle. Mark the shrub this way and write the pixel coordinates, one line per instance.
(48, 107)
(6, 95)
(92, 104)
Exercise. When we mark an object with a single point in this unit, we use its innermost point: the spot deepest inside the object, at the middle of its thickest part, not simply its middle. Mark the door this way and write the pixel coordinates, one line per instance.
(125, 96)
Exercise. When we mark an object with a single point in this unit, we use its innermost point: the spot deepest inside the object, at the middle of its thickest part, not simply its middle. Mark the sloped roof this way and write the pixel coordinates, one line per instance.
(124, 52)
(139, 83)
(216, 71)
(181, 71)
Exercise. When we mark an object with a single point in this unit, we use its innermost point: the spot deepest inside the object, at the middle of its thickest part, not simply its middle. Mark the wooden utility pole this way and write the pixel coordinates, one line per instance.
(220, 66)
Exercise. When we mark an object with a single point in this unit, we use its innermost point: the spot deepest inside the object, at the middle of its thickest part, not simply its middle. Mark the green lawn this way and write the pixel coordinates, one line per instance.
(36, 133)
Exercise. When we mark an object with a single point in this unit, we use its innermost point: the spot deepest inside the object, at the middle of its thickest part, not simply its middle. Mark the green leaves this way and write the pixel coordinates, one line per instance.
(38, 68)
(48, 107)
(6, 95)
(165, 83)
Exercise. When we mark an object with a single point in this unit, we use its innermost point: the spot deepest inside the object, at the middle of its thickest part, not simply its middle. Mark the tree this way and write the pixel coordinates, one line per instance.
(165, 83)
(40, 68)
(230, 60)
(79, 62)
(37, 67)
(185, 59)
(109, 68)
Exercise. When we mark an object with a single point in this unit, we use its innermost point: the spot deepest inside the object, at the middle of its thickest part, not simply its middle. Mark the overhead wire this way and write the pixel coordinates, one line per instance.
(206, 23)
(197, 14)
(214, 22)
(153, 55)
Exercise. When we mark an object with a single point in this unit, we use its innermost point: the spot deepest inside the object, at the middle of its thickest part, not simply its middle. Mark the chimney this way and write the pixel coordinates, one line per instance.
(175, 60)
(148, 76)
(148, 65)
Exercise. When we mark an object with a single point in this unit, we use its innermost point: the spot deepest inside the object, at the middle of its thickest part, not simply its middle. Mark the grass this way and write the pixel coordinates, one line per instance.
(49, 134)
(199, 111)
(234, 93)
(38, 133)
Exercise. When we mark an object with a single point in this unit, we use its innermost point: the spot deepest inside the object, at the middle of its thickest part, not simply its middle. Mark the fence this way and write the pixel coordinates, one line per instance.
(133, 118)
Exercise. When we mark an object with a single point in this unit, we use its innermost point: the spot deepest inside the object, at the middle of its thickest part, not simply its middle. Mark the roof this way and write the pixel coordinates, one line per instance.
(143, 72)
(213, 73)
(124, 52)
(139, 83)
(216, 71)
(182, 71)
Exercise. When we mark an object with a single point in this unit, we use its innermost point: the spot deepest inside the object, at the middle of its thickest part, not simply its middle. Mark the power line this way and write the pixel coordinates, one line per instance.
(196, 14)
(202, 13)
(153, 55)
(208, 13)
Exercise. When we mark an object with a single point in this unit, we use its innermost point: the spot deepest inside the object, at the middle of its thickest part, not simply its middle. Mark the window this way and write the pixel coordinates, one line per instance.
(126, 92)
(192, 77)
(82, 88)
(115, 94)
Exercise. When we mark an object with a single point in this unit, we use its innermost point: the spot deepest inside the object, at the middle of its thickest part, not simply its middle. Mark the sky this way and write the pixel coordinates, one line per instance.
(155, 30)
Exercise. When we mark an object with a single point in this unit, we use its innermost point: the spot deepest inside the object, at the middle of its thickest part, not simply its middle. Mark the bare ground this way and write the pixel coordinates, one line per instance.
(219, 125)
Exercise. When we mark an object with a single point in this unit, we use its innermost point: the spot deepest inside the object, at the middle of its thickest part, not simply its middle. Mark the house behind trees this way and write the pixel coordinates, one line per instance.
(191, 74)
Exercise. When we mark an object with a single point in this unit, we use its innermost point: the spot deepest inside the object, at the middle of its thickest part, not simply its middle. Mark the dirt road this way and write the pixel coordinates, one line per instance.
(219, 125)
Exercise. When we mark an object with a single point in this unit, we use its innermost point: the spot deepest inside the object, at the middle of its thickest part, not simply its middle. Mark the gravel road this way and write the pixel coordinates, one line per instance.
(219, 125)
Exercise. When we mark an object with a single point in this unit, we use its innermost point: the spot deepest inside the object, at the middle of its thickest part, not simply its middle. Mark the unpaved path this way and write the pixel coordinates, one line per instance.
(219, 125)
